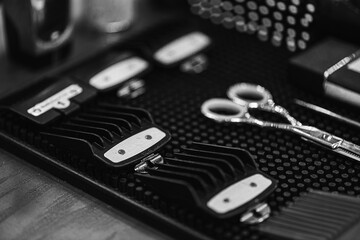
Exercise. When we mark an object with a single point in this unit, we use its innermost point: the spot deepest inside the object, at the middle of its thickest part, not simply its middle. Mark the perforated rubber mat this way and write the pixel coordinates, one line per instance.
(174, 99)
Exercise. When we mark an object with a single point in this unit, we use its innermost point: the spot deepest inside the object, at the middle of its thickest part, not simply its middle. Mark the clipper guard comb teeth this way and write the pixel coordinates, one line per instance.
(67, 116)
(119, 136)
(222, 181)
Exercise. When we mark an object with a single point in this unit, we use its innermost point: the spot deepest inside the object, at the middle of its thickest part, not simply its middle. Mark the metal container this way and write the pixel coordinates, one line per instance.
(37, 27)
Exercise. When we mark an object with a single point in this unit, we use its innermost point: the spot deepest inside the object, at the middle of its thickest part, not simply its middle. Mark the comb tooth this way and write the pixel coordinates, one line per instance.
(218, 174)
(318, 217)
(127, 117)
(190, 179)
(142, 114)
(66, 141)
(310, 231)
(174, 188)
(243, 157)
(120, 122)
(225, 166)
(89, 137)
(109, 126)
(99, 131)
(205, 175)
(232, 159)
(345, 207)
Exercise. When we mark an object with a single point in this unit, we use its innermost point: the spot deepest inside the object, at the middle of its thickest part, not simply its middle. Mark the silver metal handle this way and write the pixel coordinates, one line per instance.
(272, 107)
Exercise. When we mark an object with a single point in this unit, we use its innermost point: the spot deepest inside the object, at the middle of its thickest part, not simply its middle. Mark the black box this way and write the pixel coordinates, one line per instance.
(331, 67)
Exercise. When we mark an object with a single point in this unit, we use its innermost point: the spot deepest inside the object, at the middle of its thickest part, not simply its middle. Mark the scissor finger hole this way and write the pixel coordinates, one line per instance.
(222, 110)
(250, 96)
(246, 94)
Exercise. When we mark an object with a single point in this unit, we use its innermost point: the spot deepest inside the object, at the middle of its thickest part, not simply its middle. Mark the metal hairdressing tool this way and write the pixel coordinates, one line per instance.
(245, 96)
(327, 112)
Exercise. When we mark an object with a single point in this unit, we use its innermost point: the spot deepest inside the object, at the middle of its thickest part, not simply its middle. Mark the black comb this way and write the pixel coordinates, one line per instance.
(221, 181)
(317, 216)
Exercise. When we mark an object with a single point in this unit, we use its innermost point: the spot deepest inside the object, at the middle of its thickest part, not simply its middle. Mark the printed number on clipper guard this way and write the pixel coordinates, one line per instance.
(70, 117)
(223, 182)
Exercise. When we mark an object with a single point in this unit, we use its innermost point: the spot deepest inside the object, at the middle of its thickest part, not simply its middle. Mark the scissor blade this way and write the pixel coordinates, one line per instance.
(329, 141)
(318, 136)
(349, 149)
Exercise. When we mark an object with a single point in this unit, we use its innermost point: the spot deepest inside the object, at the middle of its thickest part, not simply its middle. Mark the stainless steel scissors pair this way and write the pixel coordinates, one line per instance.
(245, 96)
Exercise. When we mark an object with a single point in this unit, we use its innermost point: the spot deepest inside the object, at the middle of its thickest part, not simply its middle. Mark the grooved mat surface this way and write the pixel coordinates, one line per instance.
(174, 99)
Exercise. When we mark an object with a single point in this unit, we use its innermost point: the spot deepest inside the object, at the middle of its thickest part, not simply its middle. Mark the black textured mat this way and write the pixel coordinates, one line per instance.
(174, 98)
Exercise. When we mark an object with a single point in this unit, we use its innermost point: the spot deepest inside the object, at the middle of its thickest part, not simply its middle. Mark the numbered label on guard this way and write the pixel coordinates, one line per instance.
(118, 73)
(134, 145)
(59, 100)
(182, 48)
(239, 194)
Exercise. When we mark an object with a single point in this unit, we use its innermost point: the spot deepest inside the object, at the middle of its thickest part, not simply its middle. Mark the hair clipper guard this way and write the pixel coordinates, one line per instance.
(221, 181)
(67, 116)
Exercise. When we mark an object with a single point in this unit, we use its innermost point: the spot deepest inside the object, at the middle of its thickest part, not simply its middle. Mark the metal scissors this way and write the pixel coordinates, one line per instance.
(245, 96)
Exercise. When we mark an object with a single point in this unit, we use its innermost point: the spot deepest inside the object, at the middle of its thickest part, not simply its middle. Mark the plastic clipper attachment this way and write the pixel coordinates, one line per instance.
(118, 136)
(316, 215)
(113, 71)
(177, 46)
(65, 116)
(43, 105)
(221, 181)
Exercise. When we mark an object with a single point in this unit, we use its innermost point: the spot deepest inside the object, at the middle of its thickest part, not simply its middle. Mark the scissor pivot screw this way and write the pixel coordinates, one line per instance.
(148, 137)
(327, 137)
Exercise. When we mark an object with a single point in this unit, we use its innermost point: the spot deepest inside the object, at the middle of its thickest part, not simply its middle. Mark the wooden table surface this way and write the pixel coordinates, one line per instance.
(36, 205)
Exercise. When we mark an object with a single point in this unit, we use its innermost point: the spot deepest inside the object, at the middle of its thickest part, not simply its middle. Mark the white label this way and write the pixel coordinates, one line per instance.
(135, 145)
(238, 194)
(118, 73)
(355, 65)
(59, 100)
(182, 47)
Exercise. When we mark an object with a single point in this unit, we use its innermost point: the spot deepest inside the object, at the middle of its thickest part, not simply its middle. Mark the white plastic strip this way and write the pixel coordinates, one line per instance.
(134, 145)
(182, 48)
(59, 100)
(118, 73)
(238, 194)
